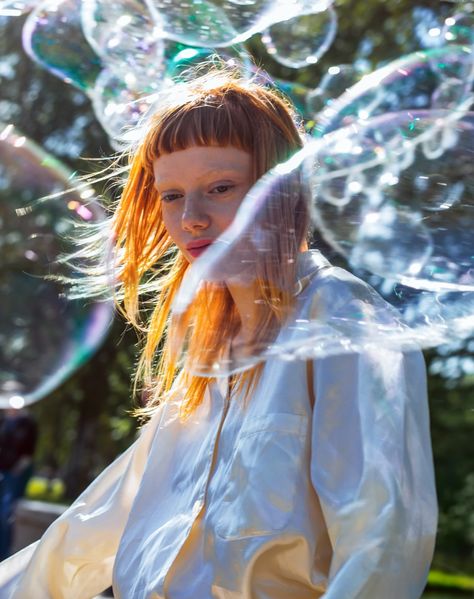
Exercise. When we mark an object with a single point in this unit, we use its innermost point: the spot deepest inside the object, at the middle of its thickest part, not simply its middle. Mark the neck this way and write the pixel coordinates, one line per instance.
(246, 298)
(251, 309)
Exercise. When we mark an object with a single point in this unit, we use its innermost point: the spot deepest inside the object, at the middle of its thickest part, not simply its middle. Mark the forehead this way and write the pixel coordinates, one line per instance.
(198, 161)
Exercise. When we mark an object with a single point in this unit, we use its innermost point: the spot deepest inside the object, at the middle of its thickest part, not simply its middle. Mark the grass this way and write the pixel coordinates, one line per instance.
(441, 595)
(457, 583)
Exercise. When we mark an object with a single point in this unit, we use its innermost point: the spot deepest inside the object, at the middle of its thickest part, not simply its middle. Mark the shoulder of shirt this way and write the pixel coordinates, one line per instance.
(334, 291)
(315, 272)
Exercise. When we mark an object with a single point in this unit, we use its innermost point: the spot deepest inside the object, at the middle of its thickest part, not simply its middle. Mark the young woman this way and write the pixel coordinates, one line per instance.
(298, 479)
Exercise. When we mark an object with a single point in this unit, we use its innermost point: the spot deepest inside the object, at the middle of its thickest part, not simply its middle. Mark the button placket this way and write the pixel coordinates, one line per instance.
(200, 500)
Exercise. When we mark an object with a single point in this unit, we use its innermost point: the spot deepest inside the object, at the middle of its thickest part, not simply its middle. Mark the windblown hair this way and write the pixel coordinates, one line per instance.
(218, 109)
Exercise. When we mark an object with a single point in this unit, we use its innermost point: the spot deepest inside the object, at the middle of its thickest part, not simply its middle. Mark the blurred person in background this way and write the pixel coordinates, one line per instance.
(18, 436)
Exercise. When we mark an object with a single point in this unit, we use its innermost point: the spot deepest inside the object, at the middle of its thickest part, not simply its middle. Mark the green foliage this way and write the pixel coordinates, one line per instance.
(452, 426)
(45, 489)
(451, 581)
(455, 594)
(86, 423)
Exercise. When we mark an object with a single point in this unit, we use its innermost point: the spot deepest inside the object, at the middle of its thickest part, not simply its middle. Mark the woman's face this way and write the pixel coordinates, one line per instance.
(201, 189)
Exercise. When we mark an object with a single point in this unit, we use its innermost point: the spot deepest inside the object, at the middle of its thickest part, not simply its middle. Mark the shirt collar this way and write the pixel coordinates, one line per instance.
(307, 266)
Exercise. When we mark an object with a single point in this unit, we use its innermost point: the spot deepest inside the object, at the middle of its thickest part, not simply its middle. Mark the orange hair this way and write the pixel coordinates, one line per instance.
(215, 110)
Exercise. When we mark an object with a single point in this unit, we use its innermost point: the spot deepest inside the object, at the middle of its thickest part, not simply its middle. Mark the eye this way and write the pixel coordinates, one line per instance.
(223, 188)
(170, 197)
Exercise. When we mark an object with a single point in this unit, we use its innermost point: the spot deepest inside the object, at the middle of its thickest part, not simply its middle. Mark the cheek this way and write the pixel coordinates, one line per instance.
(230, 212)
(171, 222)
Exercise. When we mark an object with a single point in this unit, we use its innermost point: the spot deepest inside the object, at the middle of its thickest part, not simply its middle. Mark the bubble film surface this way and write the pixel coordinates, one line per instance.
(129, 44)
(386, 182)
(119, 107)
(395, 196)
(335, 83)
(53, 37)
(302, 40)
(126, 38)
(225, 22)
(396, 199)
(43, 337)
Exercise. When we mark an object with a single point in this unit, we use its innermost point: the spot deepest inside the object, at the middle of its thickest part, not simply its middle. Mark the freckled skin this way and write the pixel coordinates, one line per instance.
(201, 189)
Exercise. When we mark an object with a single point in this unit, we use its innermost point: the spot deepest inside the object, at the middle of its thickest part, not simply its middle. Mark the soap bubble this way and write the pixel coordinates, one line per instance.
(53, 37)
(459, 29)
(118, 107)
(121, 57)
(412, 82)
(302, 40)
(15, 8)
(225, 22)
(194, 23)
(43, 337)
(381, 196)
(125, 37)
(336, 81)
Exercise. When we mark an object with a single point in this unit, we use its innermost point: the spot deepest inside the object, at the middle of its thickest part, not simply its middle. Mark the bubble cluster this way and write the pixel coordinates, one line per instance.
(44, 337)
(124, 53)
(408, 221)
(397, 192)
(385, 178)
(388, 183)
(436, 79)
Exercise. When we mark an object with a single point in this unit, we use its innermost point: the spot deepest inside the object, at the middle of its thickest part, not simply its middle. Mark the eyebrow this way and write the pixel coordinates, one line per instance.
(209, 173)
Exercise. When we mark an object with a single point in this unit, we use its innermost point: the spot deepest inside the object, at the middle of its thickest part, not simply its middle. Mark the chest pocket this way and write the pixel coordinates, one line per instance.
(261, 482)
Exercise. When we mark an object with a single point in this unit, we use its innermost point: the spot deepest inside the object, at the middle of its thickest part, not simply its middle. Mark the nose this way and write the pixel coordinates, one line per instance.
(194, 216)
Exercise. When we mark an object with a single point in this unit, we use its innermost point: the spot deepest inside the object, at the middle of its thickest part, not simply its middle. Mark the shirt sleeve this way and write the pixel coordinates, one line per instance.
(372, 469)
(75, 557)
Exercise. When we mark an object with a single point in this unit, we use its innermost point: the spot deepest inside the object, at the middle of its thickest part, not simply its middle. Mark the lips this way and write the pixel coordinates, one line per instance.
(197, 247)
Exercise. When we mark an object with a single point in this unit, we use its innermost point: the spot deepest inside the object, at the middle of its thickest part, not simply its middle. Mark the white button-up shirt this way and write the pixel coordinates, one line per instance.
(268, 499)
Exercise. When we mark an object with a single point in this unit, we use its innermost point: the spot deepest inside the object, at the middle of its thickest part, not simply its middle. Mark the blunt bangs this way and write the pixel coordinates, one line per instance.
(205, 125)
(250, 119)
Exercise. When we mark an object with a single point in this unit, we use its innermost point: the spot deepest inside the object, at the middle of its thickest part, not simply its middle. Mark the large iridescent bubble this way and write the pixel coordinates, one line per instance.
(225, 22)
(393, 183)
(43, 336)
(53, 37)
(395, 197)
(388, 182)
(437, 79)
(417, 235)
